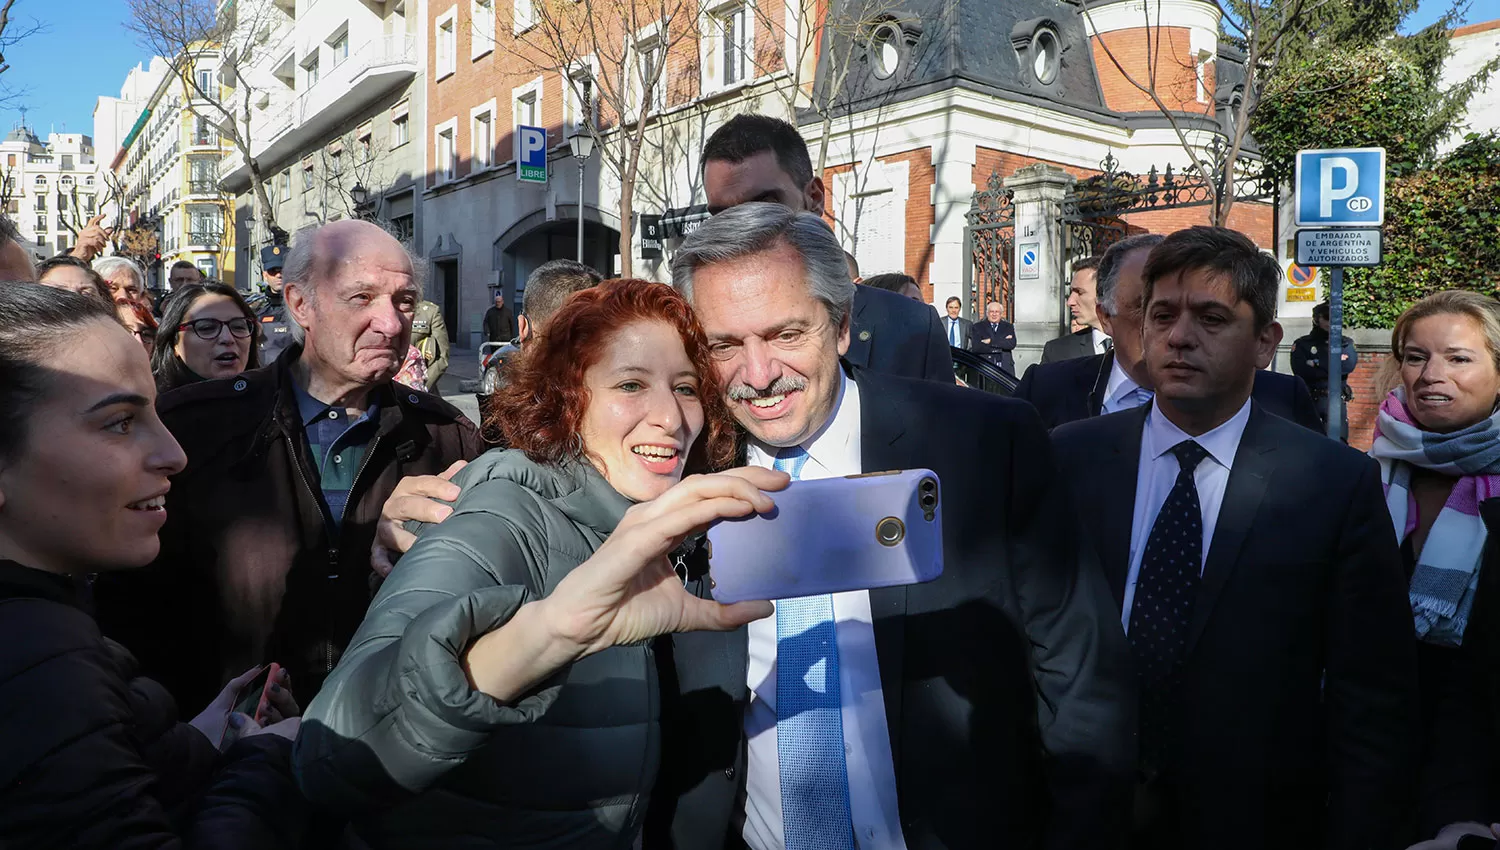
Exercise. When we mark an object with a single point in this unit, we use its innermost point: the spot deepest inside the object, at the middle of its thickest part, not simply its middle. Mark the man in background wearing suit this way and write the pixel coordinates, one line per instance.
(990, 707)
(759, 158)
(955, 327)
(994, 338)
(1118, 380)
(1092, 339)
(1265, 604)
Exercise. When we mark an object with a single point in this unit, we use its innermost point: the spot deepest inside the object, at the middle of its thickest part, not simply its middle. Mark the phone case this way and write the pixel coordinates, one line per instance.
(257, 691)
(831, 535)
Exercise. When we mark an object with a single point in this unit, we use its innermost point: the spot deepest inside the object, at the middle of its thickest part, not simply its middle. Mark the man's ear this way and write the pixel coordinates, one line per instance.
(297, 302)
(1266, 344)
(815, 196)
(1106, 323)
(843, 339)
(523, 328)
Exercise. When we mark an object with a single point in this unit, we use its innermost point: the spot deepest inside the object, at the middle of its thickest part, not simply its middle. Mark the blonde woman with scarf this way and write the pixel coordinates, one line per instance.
(1437, 440)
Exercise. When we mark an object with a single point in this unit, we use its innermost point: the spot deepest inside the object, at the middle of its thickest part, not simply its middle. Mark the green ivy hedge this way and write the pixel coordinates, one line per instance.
(1442, 231)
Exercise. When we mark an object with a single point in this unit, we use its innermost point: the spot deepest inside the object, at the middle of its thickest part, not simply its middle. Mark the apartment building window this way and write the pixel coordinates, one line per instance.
(733, 27)
(310, 68)
(62, 202)
(523, 16)
(482, 13)
(41, 203)
(40, 181)
(205, 225)
(307, 177)
(286, 184)
(88, 205)
(446, 165)
(62, 244)
(447, 44)
(41, 224)
(483, 135)
(362, 138)
(649, 59)
(336, 162)
(10, 160)
(206, 82)
(67, 162)
(339, 44)
(12, 207)
(581, 103)
(202, 174)
(404, 227)
(526, 111)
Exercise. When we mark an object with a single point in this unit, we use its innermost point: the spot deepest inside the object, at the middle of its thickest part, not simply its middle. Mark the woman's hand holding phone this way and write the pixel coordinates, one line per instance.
(218, 721)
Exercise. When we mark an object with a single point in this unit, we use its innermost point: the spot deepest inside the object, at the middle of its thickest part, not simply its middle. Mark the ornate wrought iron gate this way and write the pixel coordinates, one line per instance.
(989, 246)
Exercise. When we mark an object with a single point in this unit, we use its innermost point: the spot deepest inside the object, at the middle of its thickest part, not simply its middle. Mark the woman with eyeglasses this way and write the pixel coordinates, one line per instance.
(137, 318)
(207, 331)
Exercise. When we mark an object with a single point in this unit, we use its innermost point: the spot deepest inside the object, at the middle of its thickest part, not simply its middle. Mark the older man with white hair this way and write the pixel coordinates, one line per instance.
(266, 551)
(127, 281)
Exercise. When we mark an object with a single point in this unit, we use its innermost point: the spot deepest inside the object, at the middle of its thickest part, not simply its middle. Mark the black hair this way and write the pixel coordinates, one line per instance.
(1253, 274)
(183, 264)
(550, 285)
(890, 281)
(68, 260)
(168, 368)
(1083, 264)
(8, 230)
(34, 320)
(744, 136)
(1322, 311)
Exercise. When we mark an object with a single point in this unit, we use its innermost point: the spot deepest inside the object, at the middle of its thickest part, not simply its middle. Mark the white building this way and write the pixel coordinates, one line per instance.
(335, 105)
(48, 187)
(1473, 46)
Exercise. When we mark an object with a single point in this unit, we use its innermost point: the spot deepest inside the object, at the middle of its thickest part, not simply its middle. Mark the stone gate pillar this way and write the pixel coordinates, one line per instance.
(1040, 279)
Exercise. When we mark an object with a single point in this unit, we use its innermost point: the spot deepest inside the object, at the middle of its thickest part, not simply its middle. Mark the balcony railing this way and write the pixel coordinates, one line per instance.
(203, 186)
(204, 139)
(204, 237)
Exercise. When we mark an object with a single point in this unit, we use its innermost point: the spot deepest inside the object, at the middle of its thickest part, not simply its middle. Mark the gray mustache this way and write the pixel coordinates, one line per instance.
(784, 384)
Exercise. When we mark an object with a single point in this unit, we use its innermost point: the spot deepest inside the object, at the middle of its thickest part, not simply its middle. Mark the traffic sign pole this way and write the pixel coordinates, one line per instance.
(1336, 352)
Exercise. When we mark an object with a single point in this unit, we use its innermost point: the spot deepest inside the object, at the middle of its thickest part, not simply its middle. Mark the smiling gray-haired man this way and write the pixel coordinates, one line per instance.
(266, 555)
(990, 707)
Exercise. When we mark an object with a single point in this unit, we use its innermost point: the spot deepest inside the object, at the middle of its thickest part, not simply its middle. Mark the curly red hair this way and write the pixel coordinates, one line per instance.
(540, 409)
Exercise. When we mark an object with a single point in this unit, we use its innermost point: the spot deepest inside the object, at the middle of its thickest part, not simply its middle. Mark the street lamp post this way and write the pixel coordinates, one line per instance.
(359, 195)
(582, 145)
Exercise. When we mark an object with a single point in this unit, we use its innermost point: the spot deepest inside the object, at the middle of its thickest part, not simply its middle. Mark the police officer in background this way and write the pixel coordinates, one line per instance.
(429, 333)
(1310, 363)
(270, 312)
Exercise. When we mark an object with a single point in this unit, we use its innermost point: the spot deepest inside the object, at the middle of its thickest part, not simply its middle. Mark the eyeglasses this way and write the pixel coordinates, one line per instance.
(209, 328)
(144, 334)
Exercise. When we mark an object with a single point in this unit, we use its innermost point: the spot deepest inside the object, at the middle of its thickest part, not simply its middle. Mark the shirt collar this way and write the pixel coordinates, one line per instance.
(1120, 383)
(310, 409)
(1097, 337)
(1221, 443)
(831, 445)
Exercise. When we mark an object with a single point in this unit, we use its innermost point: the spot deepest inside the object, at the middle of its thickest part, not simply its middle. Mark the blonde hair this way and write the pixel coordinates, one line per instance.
(1453, 302)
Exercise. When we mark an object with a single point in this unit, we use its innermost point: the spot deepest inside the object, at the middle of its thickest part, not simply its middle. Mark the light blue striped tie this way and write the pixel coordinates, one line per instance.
(809, 717)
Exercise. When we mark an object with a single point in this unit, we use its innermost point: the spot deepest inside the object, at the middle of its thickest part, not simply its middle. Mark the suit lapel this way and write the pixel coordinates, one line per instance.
(1242, 496)
(1096, 383)
(861, 335)
(1117, 476)
(882, 435)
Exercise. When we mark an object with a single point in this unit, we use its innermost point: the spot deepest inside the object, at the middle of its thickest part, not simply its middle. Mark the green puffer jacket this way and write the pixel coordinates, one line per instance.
(398, 737)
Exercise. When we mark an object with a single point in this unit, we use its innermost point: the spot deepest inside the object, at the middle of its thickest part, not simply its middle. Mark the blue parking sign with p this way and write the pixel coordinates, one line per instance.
(1340, 188)
(531, 154)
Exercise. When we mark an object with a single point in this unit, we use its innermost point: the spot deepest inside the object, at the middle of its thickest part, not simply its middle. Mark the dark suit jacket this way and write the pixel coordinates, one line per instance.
(1080, 344)
(1002, 341)
(898, 336)
(1074, 389)
(965, 330)
(1003, 679)
(1298, 702)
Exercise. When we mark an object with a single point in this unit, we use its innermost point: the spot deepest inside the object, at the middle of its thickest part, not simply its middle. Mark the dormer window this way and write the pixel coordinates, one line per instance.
(885, 51)
(1046, 54)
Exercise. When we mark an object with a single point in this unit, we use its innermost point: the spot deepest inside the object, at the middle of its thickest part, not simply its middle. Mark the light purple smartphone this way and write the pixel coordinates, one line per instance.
(830, 535)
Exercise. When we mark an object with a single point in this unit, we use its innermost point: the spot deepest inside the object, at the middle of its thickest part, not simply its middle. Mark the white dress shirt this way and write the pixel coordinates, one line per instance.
(834, 451)
(1099, 337)
(1157, 474)
(1121, 392)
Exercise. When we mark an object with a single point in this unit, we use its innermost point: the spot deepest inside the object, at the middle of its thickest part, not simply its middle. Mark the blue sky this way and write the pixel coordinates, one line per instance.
(87, 52)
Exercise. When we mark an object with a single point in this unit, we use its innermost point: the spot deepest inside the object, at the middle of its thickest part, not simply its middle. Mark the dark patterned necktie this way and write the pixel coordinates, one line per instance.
(1163, 606)
(1109, 345)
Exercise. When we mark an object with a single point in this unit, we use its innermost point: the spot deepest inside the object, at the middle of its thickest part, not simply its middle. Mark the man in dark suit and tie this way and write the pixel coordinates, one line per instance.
(990, 707)
(1258, 579)
(760, 158)
(955, 327)
(1117, 380)
(994, 338)
(1092, 338)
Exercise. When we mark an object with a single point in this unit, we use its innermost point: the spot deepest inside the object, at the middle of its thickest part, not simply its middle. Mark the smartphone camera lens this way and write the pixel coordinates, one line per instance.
(890, 531)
